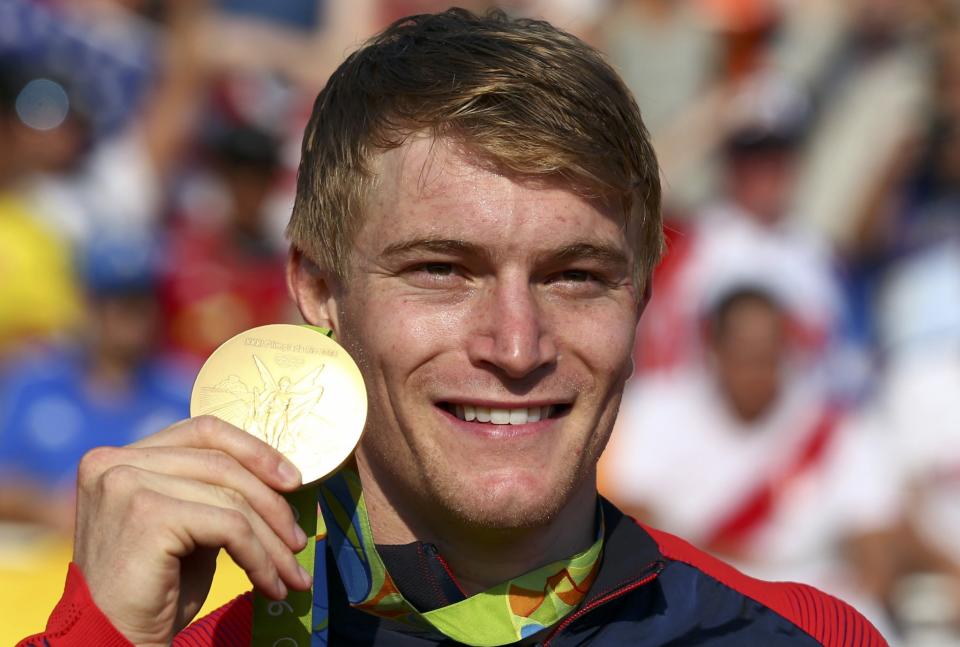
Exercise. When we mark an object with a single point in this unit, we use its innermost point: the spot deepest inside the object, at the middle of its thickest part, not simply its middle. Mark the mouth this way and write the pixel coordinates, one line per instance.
(503, 416)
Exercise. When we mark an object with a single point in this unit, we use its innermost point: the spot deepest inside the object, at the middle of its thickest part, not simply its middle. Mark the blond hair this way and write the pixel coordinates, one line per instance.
(535, 101)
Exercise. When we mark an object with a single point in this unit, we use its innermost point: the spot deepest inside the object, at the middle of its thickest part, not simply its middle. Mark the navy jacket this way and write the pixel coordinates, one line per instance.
(652, 589)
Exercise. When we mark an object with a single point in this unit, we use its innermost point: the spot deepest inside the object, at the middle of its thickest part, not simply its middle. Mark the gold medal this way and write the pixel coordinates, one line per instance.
(293, 388)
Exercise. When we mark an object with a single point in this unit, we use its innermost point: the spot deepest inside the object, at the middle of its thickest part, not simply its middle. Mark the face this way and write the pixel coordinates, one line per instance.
(749, 353)
(493, 321)
(125, 325)
(762, 183)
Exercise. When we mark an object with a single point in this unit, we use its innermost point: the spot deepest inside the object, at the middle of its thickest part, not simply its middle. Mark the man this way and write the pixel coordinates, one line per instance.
(107, 384)
(476, 220)
(795, 491)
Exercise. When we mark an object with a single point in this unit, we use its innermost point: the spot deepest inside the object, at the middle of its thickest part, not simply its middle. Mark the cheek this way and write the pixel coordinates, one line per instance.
(603, 338)
(395, 335)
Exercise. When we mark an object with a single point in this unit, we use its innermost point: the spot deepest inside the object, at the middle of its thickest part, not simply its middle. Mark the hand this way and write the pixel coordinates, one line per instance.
(151, 518)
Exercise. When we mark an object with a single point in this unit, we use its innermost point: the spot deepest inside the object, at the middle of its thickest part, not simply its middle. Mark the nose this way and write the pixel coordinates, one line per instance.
(512, 333)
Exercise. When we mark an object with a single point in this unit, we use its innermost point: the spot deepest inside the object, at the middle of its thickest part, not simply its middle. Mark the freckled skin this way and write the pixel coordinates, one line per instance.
(497, 316)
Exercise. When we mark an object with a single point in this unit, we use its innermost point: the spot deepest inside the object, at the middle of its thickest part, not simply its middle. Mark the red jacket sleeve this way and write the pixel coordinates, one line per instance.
(76, 620)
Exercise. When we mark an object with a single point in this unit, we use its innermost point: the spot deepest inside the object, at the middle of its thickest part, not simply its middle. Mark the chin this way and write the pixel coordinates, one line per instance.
(508, 501)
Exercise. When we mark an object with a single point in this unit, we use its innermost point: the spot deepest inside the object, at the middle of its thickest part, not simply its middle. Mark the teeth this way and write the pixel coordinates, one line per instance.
(501, 416)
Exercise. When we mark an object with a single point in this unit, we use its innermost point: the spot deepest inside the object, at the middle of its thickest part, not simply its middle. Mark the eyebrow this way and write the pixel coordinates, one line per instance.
(608, 255)
(436, 245)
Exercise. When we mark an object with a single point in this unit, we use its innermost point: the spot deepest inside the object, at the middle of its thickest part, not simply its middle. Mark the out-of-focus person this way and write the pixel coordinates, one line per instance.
(92, 125)
(746, 453)
(909, 252)
(747, 230)
(871, 92)
(915, 411)
(111, 173)
(38, 294)
(666, 53)
(224, 268)
(109, 386)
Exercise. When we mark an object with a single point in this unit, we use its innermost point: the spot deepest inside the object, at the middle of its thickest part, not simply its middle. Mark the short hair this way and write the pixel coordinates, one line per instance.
(720, 310)
(532, 100)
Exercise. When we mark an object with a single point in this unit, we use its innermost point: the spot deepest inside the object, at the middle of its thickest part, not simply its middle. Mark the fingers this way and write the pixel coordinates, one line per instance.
(146, 510)
(197, 513)
(208, 432)
(213, 467)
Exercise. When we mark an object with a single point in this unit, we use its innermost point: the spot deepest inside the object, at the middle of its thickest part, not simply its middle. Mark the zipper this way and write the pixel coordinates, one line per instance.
(656, 567)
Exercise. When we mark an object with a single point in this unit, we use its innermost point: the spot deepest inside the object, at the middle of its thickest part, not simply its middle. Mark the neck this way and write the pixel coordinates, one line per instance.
(480, 557)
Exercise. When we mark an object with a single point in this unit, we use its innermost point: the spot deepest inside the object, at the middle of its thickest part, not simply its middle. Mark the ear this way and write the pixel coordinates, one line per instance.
(313, 290)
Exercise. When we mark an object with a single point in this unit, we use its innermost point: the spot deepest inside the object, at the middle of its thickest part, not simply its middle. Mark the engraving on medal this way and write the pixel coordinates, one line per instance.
(268, 409)
(293, 388)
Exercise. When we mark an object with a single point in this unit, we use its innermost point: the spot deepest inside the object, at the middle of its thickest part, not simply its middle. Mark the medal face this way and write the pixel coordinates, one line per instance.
(293, 388)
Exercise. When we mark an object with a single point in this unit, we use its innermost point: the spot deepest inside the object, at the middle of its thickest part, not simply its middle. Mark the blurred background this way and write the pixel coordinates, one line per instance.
(795, 403)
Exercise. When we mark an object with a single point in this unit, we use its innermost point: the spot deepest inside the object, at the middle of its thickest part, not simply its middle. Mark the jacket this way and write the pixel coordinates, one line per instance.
(652, 589)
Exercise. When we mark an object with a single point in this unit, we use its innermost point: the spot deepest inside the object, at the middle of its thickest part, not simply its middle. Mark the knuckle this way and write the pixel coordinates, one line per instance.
(219, 462)
(118, 478)
(231, 498)
(207, 427)
(93, 462)
(237, 523)
(143, 502)
(277, 502)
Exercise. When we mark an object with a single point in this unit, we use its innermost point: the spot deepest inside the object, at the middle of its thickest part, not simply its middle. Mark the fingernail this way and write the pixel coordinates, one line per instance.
(299, 535)
(305, 576)
(288, 473)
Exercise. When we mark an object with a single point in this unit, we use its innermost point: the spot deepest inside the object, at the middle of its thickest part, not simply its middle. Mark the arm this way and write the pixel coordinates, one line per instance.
(151, 518)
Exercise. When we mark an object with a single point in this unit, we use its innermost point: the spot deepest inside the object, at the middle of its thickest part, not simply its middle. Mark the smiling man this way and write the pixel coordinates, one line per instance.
(477, 220)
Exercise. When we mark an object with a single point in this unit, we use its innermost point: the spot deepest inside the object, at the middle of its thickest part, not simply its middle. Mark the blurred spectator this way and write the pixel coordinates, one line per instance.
(38, 297)
(224, 270)
(746, 235)
(109, 175)
(108, 387)
(746, 27)
(880, 59)
(82, 156)
(746, 454)
(665, 53)
(909, 252)
(915, 411)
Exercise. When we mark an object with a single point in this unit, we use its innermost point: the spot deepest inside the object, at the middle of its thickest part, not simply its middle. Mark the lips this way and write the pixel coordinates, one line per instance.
(503, 416)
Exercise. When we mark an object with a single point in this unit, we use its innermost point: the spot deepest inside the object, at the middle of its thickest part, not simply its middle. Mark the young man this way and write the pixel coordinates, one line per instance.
(477, 219)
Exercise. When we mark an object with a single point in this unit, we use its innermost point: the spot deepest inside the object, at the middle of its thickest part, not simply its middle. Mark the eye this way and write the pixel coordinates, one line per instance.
(435, 274)
(436, 269)
(576, 276)
(579, 283)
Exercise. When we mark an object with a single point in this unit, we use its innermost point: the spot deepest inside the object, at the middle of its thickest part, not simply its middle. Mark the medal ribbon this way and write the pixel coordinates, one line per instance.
(288, 623)
(501, 615)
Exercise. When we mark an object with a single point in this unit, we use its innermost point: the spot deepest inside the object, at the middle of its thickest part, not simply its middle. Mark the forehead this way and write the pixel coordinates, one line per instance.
(436, 189)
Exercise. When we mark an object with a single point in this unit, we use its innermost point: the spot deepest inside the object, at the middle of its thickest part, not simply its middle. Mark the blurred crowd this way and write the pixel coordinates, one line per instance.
(792, 405)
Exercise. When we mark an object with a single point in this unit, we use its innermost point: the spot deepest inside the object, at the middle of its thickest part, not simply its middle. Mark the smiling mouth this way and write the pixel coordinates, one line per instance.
(497, 416)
